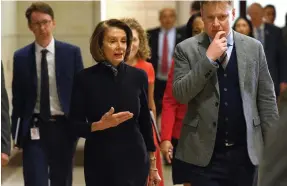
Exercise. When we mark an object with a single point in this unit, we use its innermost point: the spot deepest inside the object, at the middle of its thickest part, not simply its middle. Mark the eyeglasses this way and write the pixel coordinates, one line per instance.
(40, 23)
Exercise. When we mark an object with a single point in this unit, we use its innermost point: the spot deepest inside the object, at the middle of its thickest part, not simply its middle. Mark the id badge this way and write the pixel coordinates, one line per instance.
(35, 134)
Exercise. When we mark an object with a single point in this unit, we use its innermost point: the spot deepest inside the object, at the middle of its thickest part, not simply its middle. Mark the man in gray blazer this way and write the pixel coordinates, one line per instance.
(5, 123)
(273, 168)
(223, 77)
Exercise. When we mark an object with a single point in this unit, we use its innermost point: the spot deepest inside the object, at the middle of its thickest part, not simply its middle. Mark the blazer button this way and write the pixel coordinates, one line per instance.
(214, 124)
(216, 104)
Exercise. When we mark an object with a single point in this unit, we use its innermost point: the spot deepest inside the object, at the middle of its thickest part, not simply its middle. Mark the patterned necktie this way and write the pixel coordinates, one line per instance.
(223, 59)
(45, 111)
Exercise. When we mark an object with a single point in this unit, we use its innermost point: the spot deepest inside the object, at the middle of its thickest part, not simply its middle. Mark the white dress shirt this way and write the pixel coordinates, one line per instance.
(171, 35)
(55, 105)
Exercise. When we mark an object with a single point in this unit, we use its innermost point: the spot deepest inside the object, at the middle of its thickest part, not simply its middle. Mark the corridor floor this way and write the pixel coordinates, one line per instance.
(12, 175)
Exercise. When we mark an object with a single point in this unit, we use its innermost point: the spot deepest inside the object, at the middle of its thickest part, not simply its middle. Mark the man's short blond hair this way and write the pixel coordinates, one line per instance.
(231, 3)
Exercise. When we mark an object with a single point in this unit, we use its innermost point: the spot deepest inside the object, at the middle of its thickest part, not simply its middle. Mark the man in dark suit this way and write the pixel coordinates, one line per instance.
(269, 14)
(42, 84)
(271, 38)
(162, 41)
(5, 123)
(273, 168)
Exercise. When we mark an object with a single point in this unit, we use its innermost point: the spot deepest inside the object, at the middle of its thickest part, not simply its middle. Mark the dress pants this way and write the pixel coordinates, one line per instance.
(50, 157)
(229, 166)
(179, 175)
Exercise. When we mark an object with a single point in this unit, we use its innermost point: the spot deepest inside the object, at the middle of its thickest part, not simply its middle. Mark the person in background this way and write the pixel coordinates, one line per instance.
(269, 14)
(194, 9)
(5, 123)
(140, 51)
(43, 75)
(273, 167)
(162, 41)
(243, 26)
(275, 49)
(194, 25)
(109, 108)
(223, 77)
(173, 112)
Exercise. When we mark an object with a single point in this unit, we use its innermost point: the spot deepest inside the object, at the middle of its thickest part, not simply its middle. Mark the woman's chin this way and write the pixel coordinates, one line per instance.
(117, 61)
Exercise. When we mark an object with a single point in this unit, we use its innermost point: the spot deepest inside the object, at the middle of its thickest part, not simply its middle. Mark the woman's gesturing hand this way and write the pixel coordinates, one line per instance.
(111, 119)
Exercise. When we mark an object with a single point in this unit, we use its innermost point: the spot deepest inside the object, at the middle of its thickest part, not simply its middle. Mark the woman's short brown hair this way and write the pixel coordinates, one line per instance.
(144, 49)
(96, 41)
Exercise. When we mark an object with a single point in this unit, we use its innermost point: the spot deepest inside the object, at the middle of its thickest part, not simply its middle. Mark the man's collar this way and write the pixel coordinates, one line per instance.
(50, 47)
(164, 30)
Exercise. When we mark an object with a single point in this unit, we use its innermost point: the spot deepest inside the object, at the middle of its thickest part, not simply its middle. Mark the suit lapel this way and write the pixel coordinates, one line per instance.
(156, 39)
(32, 59)
(266, 37)
(57, 63)
(241, 59)
(203, 43)
(155, 49)
(178, 37)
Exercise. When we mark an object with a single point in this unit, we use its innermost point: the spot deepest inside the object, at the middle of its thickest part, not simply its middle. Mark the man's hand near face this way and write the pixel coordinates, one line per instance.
(217, 47)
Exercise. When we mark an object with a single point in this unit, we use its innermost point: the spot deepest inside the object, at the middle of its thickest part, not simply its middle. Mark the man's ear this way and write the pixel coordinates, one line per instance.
(233, 14)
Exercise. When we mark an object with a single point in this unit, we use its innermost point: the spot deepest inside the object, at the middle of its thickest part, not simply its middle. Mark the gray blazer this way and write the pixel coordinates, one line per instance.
(5, 118)
(195, 83)
(273, 168)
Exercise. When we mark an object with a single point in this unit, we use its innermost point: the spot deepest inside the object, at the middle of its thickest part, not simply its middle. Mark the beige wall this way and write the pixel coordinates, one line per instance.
(8, 37)
(146, 12)
(183, 11)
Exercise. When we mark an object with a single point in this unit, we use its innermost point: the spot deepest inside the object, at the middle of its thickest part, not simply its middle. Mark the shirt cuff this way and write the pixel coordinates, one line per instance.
(212, 62)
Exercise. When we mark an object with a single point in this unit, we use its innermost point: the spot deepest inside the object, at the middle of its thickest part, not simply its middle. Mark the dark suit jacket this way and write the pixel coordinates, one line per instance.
(182, 31)
(275, 51)
(153, 43)
(5, 119)
(273, 168)
(68, 62)
(284, 32)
